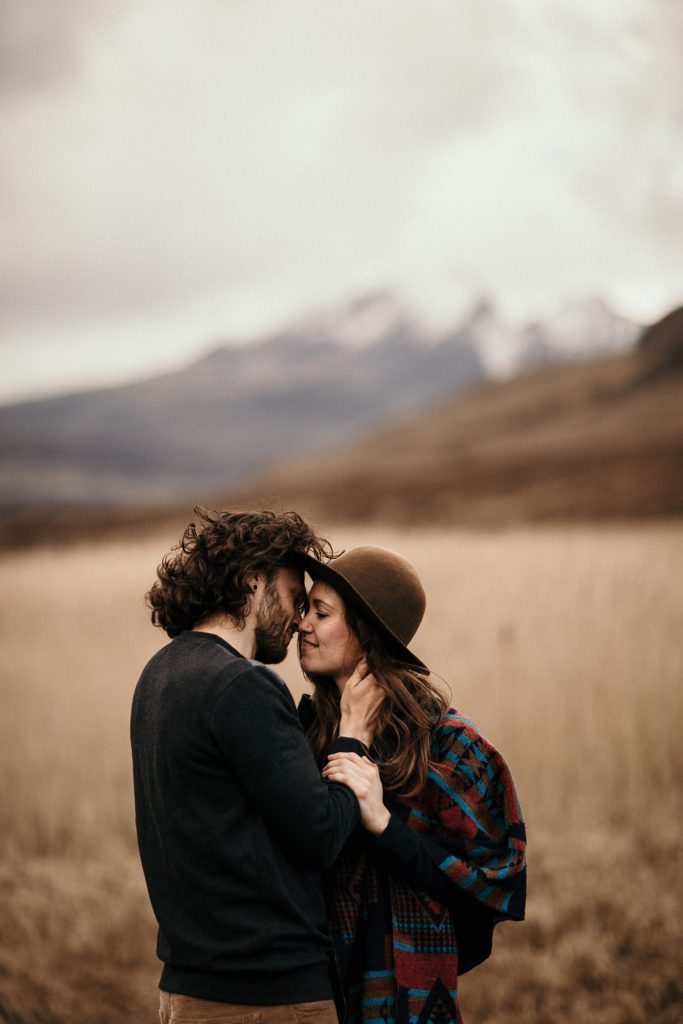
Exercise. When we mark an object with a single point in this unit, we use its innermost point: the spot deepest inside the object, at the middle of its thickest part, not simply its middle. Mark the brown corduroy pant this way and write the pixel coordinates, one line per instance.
(175, 1009)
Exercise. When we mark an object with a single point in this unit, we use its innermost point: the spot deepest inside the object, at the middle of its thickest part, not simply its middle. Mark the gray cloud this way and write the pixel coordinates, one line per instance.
(41, 44)
(197, 162)
(634, 82)
(254, 155)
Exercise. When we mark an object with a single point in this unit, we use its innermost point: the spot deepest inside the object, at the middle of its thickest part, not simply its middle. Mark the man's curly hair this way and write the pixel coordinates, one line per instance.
(207, 572)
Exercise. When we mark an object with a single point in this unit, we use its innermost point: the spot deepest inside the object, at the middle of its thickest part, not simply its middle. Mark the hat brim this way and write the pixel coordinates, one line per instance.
(324, 571)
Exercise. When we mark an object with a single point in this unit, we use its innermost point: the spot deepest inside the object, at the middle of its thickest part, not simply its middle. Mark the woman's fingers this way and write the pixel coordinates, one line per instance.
(359, 673)
(362, 777)
(360, 702)
(361, 692)
(348, 763)
(358, 773)
(345, 765)
(347, 757)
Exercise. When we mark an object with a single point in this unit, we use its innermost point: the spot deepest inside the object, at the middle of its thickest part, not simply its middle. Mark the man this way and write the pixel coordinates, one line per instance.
(233, 819)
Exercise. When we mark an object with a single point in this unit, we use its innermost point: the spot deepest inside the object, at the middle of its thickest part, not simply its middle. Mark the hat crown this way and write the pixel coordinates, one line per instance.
(388, 585)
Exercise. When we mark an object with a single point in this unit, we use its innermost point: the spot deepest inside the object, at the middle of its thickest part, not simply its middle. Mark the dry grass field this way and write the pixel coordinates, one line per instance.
(565, 645)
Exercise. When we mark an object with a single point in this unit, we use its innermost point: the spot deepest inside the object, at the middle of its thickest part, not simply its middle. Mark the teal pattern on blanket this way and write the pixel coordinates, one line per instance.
(397, 947)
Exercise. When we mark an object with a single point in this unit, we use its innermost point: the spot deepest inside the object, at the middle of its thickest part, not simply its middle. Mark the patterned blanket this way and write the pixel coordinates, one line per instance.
(397, 947)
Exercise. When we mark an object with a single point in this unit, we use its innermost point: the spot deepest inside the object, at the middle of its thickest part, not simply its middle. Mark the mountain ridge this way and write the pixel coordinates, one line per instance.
(587, 441)
(318, 382)
(597, 441)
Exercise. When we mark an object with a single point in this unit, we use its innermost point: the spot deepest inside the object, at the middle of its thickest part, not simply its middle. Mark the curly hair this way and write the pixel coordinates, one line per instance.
(207, 572)
(411, 707)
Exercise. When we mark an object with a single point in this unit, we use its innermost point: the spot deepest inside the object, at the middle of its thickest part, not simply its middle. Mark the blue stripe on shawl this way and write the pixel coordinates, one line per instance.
(457, 717)
(423, 992)
(506, 902)
(482, 849)
(468, 772)
(469, 880)
(464, 883)
(482, 758)
(414, 813)
(456, 798)
(488, 891)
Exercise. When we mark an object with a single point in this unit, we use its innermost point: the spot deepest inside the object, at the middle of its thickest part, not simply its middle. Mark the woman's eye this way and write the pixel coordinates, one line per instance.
(321, 615)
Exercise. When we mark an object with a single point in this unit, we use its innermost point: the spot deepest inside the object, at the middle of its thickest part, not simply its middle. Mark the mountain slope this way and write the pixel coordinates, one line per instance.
(220, 418)
(327, 378)
(588, 441)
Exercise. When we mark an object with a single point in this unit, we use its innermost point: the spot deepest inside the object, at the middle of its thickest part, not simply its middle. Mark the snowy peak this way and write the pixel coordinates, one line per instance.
(365, 320)
(582, 330)
(488, 333)
(381, 320)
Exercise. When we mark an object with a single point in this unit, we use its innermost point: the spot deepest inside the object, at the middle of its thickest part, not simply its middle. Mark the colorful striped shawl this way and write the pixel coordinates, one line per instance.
(397, 948)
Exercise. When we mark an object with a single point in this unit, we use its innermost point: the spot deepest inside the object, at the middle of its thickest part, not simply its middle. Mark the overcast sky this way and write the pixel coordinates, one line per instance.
(177, 173)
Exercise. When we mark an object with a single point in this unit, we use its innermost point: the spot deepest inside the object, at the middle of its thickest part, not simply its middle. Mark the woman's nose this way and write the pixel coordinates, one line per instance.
(304, 625)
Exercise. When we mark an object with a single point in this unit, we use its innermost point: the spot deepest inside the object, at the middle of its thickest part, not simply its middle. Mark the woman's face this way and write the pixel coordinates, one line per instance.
(327, 645)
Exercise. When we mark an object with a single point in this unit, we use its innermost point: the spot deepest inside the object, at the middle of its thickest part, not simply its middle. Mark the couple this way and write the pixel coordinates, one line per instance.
(356, 853)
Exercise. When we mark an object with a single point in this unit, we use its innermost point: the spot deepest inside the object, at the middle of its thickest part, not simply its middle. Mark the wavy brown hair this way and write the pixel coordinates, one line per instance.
(411, 708)
(207, 572)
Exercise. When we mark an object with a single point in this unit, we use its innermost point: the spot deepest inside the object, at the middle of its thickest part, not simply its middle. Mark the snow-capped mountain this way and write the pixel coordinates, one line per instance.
(491, 336)
(583, 330)
(312, 385)
(364, 320)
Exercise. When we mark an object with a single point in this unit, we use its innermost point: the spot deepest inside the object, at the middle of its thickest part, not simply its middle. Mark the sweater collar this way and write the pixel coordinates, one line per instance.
(192, 636)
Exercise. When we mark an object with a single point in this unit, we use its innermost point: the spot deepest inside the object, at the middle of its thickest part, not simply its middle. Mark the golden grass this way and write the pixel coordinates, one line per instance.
(563, 645)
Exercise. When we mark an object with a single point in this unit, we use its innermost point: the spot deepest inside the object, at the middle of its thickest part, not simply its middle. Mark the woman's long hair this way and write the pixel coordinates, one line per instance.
(411, 707)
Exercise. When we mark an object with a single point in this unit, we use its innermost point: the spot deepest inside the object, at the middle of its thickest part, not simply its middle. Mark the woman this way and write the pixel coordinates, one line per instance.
(441, 858)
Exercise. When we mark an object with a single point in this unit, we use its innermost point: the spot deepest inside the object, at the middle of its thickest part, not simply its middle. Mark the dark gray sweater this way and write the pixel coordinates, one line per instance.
(234, 826)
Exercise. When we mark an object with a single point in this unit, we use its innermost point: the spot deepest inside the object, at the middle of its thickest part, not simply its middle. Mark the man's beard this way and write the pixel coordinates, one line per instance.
(272, 622)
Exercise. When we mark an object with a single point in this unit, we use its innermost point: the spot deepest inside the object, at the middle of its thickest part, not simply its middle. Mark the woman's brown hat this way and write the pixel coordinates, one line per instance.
(384, 587)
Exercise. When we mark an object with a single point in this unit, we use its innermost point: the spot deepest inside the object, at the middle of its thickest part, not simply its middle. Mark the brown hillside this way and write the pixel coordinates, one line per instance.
(590, 441)
(584, 442)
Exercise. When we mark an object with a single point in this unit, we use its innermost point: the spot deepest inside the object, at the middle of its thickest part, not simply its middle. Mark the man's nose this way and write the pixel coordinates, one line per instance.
(304, 625)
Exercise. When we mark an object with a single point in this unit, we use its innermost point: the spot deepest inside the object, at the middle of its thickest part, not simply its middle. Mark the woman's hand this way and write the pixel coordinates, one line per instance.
(360, 702)
(362, 777)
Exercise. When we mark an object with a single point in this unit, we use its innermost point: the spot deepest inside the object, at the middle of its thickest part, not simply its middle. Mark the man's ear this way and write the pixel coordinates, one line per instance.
(254, 581)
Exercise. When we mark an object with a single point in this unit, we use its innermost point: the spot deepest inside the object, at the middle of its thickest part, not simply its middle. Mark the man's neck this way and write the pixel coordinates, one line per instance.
(242, 639)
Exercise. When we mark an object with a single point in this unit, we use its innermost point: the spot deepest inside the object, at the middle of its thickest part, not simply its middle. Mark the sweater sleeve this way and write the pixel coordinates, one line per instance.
(401, 849)
(256, 726)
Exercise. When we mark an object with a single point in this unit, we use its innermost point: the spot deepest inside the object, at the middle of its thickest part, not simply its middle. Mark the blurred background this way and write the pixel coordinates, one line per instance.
(416, 271)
